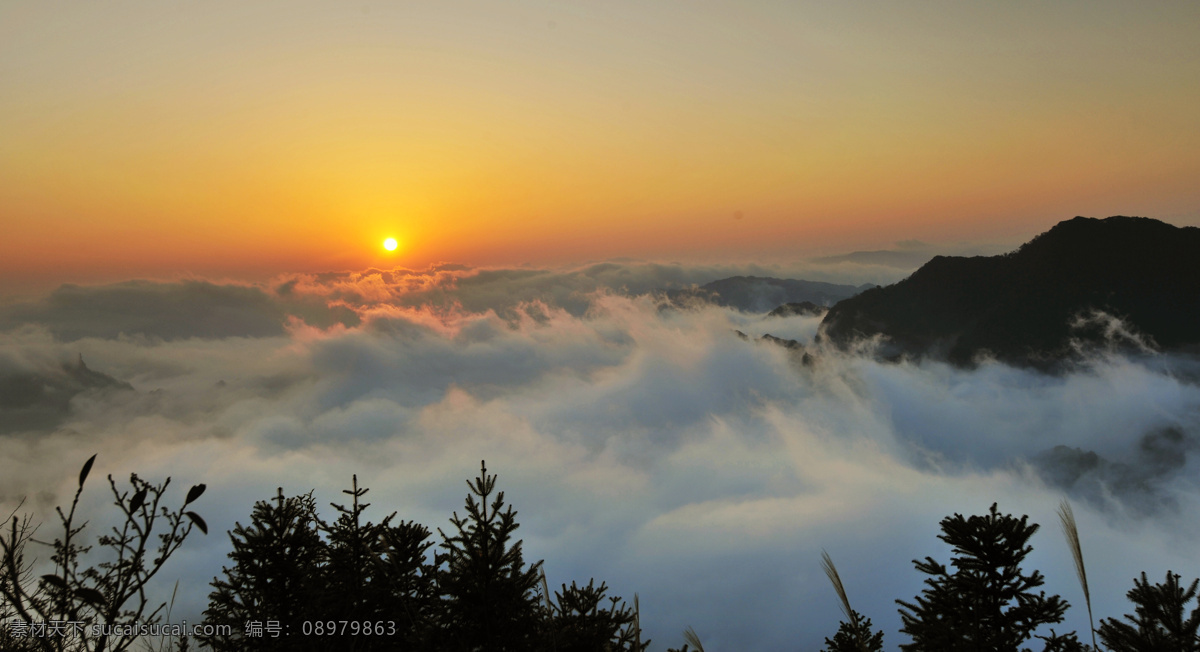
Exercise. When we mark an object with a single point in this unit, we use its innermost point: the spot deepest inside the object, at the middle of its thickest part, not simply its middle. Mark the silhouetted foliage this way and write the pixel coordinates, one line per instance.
(578, 620)
(292, 568)
(275, 575)
(1068, 642)
(109, 593)
(405, 584)
(986, 602)
(848, 636)
(489, 594)
(286, 571)
(692, 638)
(1160, 621)
(477, 592)
(376, 572)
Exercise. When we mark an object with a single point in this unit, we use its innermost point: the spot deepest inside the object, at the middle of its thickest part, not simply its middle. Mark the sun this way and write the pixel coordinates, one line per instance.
(390, 244)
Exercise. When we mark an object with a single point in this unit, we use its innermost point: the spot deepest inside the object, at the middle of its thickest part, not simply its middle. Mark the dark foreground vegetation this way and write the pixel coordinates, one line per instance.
(297, 582)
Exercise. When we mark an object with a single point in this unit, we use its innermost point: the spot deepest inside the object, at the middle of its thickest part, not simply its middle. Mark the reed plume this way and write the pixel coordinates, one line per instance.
(1067, 517)
(546, 592)
(851, 615)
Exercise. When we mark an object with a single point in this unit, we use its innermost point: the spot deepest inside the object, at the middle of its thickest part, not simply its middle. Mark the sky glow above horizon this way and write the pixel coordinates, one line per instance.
(150, 139)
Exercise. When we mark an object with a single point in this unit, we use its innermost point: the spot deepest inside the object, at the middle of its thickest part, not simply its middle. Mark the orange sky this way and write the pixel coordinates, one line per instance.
(222, 136)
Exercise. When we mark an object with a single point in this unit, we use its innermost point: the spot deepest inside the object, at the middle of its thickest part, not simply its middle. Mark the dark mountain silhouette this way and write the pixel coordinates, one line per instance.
(804, 308)
(1139, 478)
(32, 400)
(763, 293)
(796, 349)
(1033, 305)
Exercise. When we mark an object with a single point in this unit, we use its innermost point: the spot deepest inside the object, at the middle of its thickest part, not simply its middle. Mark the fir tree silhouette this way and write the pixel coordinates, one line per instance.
(477, 594)
(986, 604)
(405, 587)
(376, 572)
(489, 598)
(293, 568)
(1160, 623)
(583, 619)
(276, 575)
(855, 636)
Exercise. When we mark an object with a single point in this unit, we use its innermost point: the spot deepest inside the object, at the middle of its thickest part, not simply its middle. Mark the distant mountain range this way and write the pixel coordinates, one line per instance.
(1119, 281)
(803, 309)
(762, 294)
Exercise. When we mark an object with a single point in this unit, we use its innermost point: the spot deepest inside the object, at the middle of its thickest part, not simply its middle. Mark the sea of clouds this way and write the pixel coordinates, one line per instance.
(644, 445)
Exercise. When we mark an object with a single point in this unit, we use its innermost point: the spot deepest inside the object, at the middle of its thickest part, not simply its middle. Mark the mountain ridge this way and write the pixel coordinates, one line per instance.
(1036, 304)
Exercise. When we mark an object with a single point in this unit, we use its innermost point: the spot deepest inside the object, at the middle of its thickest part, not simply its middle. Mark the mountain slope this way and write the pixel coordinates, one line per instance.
(1028, 306)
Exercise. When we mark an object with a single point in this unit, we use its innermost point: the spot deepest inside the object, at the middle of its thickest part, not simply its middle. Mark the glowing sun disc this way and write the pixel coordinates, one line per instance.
(390, 244)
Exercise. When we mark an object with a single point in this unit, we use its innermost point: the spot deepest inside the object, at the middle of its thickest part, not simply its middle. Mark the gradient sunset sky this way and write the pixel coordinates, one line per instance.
(226, 137)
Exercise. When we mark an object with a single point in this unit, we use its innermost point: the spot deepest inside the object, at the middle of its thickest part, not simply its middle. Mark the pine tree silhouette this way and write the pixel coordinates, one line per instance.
(406, 585)
(352, 545)
(376, 572)
(489, 598)
(1160, 624)
(276, 575)
(848, 636)
(986, 603)
(581, 621)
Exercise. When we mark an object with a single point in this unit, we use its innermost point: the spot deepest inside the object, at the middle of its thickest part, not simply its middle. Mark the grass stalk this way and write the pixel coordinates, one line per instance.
(546, 592)
(1071, 531)
(851, 615)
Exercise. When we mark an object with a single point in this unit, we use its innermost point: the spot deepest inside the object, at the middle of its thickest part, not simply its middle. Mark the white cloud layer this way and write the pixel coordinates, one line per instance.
(651, 449)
